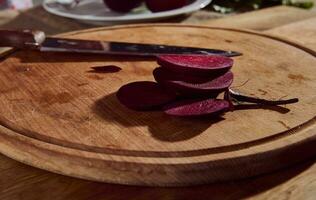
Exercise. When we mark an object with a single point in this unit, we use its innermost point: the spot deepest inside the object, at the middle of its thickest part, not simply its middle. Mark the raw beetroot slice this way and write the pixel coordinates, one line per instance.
(214, 86)
(195, 64)
(144, 95)
(193, 107)
(162, 74)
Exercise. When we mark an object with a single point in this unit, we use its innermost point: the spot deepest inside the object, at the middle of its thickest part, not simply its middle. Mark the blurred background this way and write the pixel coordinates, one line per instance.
(222, 6)
(30, 14)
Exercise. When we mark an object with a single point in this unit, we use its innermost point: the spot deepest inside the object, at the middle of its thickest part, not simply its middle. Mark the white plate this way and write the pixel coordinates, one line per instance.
(95, 12)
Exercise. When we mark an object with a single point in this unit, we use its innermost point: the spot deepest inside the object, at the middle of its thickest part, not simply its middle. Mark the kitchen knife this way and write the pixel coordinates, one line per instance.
(36, 40)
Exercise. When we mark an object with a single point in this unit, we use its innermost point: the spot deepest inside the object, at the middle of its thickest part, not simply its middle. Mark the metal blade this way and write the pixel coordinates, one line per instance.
(122, 48)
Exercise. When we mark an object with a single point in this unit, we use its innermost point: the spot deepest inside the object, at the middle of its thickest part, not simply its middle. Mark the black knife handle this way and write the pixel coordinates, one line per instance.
(25, 39)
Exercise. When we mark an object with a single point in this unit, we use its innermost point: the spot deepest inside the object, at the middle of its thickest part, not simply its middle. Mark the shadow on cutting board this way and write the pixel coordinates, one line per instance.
(161, 126)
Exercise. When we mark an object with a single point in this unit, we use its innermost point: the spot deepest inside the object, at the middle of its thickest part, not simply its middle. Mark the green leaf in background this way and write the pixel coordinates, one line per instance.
(306, 5)
(228, 6)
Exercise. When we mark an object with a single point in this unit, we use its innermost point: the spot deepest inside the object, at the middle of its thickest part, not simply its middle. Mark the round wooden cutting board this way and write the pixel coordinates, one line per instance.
(57, 114)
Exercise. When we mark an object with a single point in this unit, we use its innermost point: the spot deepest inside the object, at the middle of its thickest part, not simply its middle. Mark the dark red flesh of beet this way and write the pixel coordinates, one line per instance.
(122, 5)
(162, 74)
(144, 95)
(202, 65)
(214, 86)
(194, 108)
(164, 5)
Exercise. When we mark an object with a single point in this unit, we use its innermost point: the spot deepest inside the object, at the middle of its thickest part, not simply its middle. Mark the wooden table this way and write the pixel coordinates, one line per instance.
(19, 181)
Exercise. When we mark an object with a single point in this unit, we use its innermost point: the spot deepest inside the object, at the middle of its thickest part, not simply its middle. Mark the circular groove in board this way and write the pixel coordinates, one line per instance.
(55, 101)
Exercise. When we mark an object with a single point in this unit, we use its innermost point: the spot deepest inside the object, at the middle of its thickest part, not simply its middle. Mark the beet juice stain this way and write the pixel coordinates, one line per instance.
(105, 69)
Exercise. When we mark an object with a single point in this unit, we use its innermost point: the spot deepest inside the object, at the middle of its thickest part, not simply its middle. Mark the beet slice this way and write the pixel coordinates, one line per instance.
(144, 95)
(200, 107)
(214, 86)
(195, 64)
(162, 74)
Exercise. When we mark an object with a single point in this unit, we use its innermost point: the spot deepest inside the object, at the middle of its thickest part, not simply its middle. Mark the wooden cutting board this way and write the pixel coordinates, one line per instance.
(57, 115)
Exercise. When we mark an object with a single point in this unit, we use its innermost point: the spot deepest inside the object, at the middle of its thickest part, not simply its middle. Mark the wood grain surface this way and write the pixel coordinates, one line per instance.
(19, 181)
(301, 32)
(66, 119)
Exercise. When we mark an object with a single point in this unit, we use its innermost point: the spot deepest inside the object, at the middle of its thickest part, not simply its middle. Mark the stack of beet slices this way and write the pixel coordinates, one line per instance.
(187, 85)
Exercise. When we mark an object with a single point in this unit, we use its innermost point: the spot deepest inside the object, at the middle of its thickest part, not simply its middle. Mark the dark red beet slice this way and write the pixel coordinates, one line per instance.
(122, 5)
(214, 86)
(144, 95)
(195, 64)
(164, 5)
(162, 74)
(193, 107)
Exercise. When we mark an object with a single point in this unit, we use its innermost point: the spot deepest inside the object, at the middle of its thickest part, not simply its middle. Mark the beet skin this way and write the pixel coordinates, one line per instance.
(209, 86)
(197, 107)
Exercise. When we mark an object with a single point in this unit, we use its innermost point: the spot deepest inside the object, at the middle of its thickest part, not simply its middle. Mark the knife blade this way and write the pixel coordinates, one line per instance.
(36, 40)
